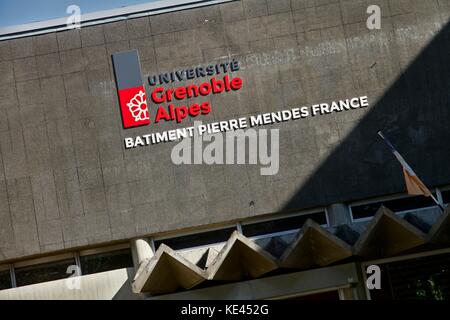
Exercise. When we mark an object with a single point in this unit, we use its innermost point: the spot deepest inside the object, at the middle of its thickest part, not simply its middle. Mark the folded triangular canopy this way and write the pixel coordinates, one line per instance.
(313, 247)
(387, 235)
(440, 232)
(166, 272)
(241, 258)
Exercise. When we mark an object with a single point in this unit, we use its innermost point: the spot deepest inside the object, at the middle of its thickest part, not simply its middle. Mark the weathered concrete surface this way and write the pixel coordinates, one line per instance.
(166, 272)
(313, 247)
(388, 235)
(67, 181)
(240, 258)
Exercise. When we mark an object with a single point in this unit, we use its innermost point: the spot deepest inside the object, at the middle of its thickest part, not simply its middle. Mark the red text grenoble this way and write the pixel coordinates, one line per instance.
(179, 112)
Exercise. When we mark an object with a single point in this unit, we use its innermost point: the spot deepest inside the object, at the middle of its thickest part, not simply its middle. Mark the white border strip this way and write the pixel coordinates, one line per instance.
(99, 17)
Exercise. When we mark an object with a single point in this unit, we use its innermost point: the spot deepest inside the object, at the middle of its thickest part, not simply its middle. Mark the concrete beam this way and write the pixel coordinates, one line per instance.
(387, 235)
(286, 285)
(166, 272)
(109, 285)
(314, 246)
(239, 258)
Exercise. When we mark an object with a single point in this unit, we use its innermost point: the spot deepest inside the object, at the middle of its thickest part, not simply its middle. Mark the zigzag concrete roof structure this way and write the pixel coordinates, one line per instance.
(314, 246)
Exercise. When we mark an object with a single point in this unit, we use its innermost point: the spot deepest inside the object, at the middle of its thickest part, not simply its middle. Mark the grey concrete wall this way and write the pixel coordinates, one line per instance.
(67, 181)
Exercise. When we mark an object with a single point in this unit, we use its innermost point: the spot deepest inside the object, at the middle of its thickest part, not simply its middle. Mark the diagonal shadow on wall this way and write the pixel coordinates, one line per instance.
(415, 114)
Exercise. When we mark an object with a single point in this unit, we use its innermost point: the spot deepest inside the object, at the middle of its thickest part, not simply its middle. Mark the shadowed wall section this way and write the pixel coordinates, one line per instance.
(413, 113)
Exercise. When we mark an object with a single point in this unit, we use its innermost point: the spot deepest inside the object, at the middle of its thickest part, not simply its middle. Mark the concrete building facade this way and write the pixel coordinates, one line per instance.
(71, 189)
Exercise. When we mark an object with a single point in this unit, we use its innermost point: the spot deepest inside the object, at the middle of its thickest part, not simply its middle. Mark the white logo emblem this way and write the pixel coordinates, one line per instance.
(138, 107)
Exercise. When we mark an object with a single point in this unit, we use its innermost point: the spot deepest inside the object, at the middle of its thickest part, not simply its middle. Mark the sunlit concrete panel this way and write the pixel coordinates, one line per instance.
(241, 258)
(313, 247)
(166, 272)
(109, 285)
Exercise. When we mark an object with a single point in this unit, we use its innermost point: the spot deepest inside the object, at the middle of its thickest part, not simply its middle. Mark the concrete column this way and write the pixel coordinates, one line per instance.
(357, 283)
(360, 287)
(346, 294)
(141, 250)
(338, 214)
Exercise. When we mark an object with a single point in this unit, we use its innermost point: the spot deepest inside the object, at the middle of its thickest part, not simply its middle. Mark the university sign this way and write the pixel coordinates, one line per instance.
(130, 89)
(168, 101)
(133, 97)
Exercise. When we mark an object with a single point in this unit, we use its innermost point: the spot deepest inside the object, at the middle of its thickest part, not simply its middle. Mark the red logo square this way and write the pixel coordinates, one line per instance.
(133, 104)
